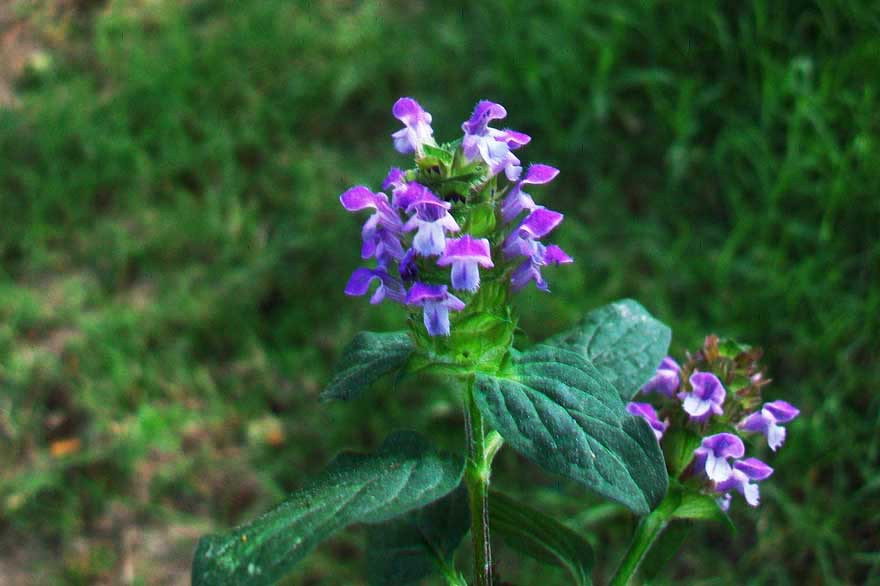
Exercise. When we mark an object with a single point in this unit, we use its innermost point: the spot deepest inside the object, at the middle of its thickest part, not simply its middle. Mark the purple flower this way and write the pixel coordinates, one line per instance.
(436, 302)
(646, 412)
(395, 182)
(739, 479)
(530, 269)
(523, 240)
(362, 279)
(466, 255)
(518, 200)
(491, 145)
(713, 453)
(408, 269)
(706, 398)
(666, 380)
(767, 421)
(431, 220)
(382, 230)
(417, 127)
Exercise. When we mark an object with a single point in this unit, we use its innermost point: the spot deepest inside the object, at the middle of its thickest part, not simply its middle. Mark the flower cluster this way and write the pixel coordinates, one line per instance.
(460, 215)
(715, 397)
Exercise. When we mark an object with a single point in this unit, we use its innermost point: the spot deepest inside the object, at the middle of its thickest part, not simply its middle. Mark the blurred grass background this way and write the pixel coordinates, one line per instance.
(173, 253)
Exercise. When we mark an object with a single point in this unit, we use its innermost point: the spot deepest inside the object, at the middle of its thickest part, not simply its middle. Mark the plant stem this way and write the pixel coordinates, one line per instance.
(477, 473)
(646, 534)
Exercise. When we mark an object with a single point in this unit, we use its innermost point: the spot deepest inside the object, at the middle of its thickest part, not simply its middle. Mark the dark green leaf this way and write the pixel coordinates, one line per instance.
(404, 474)
(556, 409)
(622, 340)
(408, 548)
(366, 359)
(533, 533)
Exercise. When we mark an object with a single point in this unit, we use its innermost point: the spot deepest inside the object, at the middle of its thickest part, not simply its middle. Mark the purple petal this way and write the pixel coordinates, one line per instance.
(408, 111)
(526, 272)
(359, 283)
(540, 222)
(465, 276)
(484, 112)
(538, 174)
(409, 268)
(417, 194)
(513, 138)
(724, 445)
(360, 198)
(466, 248)
(396, 179)
(647, 412)
(755, 422)
(436, 318)
(555, 255)
(753, 468)
(782, 411)
(707, 387)
(421, 293)
(666, 380)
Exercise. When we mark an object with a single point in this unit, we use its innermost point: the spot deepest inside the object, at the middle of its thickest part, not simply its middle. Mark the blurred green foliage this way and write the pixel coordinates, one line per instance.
(173, 252)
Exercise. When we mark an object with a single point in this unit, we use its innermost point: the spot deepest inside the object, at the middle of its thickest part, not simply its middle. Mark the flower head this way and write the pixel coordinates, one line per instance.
(767, 421)
(706, 399)
(436, 302)
(713, 453)
(666, 380)
(491, 145)
(417, 130)
(466, 255)
(646, 411)
(741, 475)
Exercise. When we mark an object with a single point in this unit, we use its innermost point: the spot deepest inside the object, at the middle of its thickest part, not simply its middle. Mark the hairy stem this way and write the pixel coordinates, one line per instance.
(477, 473)
(646, 534)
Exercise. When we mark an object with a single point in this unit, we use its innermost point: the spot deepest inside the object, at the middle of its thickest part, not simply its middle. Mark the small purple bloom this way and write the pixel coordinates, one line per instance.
(767, 421)
(530, 269)
(362, 278)
(518, 200)
(491, 145)
(381, 231)
(436, 302)
(646, 412)
(523, 240)
(706, 398)
(417, 129)
(666, 380)
(713, 453)
(744, 471)
(466, 255)
(431, 220)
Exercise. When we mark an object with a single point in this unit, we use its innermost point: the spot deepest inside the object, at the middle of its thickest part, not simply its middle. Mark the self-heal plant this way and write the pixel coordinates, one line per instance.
(450, 240)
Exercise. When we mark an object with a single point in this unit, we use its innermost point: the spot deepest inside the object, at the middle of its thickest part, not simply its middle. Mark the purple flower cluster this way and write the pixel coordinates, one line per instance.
(419, 230)
(700, 401)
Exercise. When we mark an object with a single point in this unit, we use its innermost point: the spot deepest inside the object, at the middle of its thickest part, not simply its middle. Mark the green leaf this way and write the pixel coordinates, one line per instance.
(533, 533)
(404, 474)
(443, 155)
(556, 409)
(367, 358)
(679, 444)
(409, 548)
(622, 340)
(696, 506)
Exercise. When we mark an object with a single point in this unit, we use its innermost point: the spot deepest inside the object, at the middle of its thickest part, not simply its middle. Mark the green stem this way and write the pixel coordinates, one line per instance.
(646, 534)
(477, 473)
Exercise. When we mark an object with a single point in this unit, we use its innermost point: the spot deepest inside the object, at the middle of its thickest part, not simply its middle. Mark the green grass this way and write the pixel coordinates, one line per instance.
(172, 251)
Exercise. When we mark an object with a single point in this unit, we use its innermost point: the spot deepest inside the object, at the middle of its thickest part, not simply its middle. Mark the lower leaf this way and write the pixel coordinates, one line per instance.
(404, 474)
